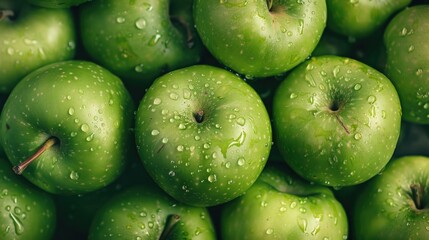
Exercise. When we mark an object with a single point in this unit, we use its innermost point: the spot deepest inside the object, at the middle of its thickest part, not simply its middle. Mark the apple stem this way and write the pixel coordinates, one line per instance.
(172, 220)
(6, 14)
(417, 195)
(23, 165)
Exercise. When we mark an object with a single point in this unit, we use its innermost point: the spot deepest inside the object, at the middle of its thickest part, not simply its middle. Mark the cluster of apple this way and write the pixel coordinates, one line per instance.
(214, 119)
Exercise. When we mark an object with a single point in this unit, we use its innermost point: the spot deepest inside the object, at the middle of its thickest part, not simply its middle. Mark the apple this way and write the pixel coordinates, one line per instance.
(147, 212)
(407, 64)
(26, 212)
(336, 120)
(57, 3)
(31, 38)
(260, 38)
(140, 40)
(361, 18)
(395, 204)
(203, 134)
(281, 205)
(66, 127)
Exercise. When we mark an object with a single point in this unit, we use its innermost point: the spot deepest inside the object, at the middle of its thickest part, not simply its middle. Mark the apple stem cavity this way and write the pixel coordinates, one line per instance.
(46, 145)
(172, 220)
(199, 116)
(6, 14)
(269, 4)
(417, 194)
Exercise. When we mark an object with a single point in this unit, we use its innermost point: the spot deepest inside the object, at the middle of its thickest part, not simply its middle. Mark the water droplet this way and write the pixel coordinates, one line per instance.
(411, 48)
(301, 26)
(174, 96)
(90, 137)
(419, 72)
(74, 175)
(71, 111)
(241, 121)
(206, 146)
(73, 134)
(139, 68)
(182, 126)
(293, 204)
(269, 231)
(180, 148)
(155, 39)
(140, 23)
(84, 127)
(154, 132)
(357, 87)
(241, 161)
(10, 51)
(371, 99)
(120, 19)
(336, 70)
(19, 228)
(358, 136)
(197, 138)
(212, 178)
(302, 224)
(156, 101)
(227, 164)
(172, 173)
(164, 140)
(293, 95)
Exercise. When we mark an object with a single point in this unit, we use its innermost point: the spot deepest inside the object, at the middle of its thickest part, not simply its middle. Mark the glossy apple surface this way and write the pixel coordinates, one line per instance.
(336, 120)
(203, 134)
(83, 111)
(260, 38)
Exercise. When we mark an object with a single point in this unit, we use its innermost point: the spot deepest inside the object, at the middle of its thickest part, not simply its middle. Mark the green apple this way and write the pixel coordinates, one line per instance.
(336, 120)
(395, 204)
(142, 39)
(203, 134)
(147, 212)
(66, 127)
(32, 37)
(361, 18)
(260, 38)
(57, 3)
(26, 212)
(407, 64)
(332, 43)
(281, 205)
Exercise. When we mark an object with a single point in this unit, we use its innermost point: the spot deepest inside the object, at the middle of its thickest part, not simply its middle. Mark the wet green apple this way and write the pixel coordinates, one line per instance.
(395, 204)
(66, 127)
(142, 39)
(26, 212)
(260, 38)
(407, 66)
(336, 120)
(203, 134)
(147, 212)
(32, 37)
(281, 205)
(57, 3)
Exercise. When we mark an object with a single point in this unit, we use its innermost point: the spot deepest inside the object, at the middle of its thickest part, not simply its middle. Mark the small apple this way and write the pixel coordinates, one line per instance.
(140, 40)
(361, 18)
(26, 212)
(407, 64)
(147, 212)
(395, 203)
(32, 37)
(203, 134)
(66, 127)
(260, 38)
(57, 3)
(336, 120)
(281, 205)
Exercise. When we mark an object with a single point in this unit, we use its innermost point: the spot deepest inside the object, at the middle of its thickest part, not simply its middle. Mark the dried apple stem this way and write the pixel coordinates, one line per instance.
(417, 195)
(172, 220)
(23, 165)
(6, 14)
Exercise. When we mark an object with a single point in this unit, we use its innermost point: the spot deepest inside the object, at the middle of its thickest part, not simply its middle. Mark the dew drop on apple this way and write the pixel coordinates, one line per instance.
(302, 224)
(84, 127)
(212, 178)
(173, 96)
(154, 39)
(154, 132)
(120, 19)
(74, 175)
(371, 99)
(182, 126)
(71, 111)
(10, 51)
(140, 23)
(180, 148)
(241, 121)
(138, 68)
(269, 231)
(293, 204)
(293, 95)
(90, 137)
(19, 227)
(241, 161)
(357, 86)
(157, 101)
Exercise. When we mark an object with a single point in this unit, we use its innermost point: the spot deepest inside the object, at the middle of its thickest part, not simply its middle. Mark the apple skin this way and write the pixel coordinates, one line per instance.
(281, 205)
(386, 208)
(90, 113)
(140, 40)
(361, 18)
(33, 38)
(336, 121)
(57, 3)
(407, 65)
(258, 41)
(26, 212)
(142, 211)
(203, 134)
